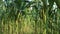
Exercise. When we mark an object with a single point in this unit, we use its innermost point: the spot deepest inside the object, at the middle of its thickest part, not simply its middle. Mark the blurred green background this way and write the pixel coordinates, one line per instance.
(29, 16)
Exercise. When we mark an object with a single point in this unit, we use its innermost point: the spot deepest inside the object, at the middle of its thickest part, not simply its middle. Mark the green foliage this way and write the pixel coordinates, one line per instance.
(29, 17)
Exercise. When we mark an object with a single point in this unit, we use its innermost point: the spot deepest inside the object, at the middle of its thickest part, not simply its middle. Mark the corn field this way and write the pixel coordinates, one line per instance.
(29, 17)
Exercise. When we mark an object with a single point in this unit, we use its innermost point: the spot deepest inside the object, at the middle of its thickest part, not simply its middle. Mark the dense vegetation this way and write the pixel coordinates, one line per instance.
(29, 17)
